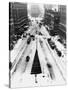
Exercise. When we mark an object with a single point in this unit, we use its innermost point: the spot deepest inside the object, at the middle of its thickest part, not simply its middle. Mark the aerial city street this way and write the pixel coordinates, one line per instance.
(37, 44)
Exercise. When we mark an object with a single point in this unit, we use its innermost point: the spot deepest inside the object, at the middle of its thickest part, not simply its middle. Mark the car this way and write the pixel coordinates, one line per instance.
(58, 52)
(51, 43)
(29, 40)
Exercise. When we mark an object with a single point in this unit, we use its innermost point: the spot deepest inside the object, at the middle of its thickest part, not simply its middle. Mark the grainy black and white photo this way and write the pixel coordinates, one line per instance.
(37, 44)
